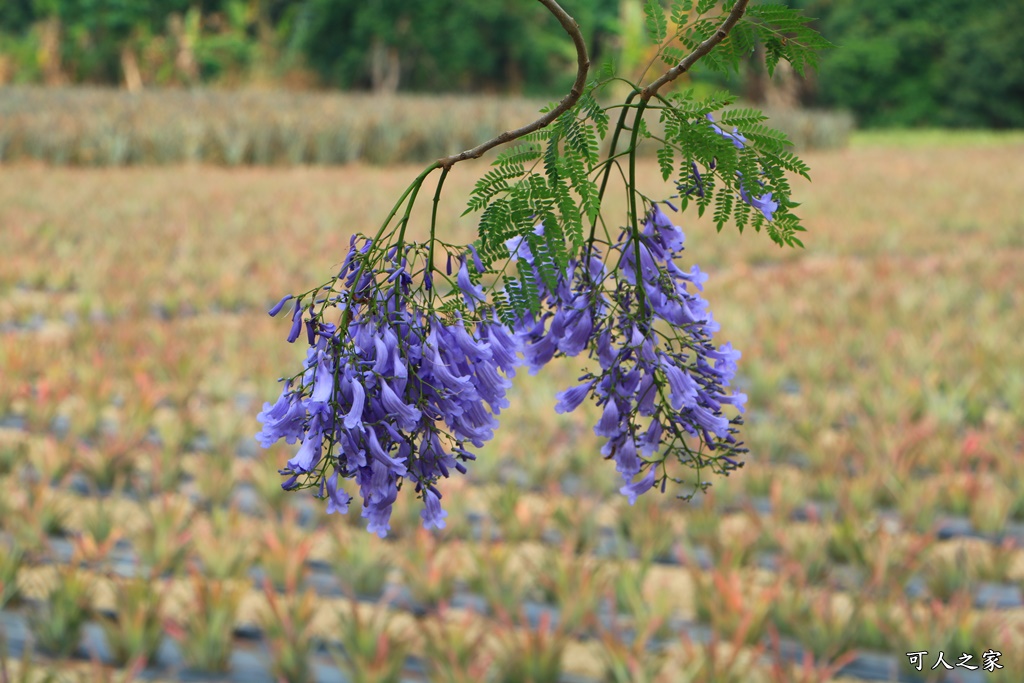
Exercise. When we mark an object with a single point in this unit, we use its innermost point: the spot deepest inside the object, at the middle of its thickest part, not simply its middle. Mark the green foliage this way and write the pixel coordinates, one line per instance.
(906, 63)
(903, 63)
(11, 559)
(786, 36)
(514, 198)
(657, 27)
(551, 179)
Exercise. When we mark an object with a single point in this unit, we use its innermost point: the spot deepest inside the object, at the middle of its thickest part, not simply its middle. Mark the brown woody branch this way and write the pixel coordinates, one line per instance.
(682, 67)
(582, 67)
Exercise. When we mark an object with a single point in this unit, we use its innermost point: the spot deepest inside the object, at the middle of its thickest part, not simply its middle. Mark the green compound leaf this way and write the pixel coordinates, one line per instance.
(657, 26)
(666, 161)
(705, 6)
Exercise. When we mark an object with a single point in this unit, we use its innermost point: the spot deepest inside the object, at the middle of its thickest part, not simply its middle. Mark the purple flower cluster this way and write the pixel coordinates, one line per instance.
(663, 382)
(396, 393)
(398, 390)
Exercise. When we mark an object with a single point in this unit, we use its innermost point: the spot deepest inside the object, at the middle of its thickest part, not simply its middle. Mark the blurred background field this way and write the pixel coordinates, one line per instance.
(108, 127)
(168, 170)
(881, 510)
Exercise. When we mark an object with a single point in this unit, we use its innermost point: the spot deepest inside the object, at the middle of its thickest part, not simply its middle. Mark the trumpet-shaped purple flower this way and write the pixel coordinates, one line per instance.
(609, 425)
(735, 137)
(571, 399)
(725, 358)
(642, 485)
(576, 333)
(293, 333)
(518, 247)
(432, 514)
(337, 499)
(622, 449)
(283, 420)
(473, 294)
(765, 204)
(323, 380)
(682, 387)
(310, 450)
(354, 418)
(405, 416)
(504, 346)
(276, 308)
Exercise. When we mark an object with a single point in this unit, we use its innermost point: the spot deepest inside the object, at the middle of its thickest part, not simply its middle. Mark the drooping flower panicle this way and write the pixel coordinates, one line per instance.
(663, 381)
(396, 394)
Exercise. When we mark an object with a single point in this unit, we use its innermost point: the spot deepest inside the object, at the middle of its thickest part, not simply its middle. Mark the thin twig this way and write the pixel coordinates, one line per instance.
(582, 67)
(682, 67)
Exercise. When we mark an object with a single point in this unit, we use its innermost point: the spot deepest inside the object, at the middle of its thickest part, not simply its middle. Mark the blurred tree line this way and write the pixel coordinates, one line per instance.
(899, 62)
(914, 62)
(437, 46)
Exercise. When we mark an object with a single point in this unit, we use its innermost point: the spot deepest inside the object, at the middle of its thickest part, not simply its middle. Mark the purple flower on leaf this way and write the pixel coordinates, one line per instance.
(737, 139)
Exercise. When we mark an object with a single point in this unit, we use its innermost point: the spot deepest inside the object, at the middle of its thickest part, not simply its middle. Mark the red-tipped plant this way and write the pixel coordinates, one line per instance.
(533, 655)
(57, 623)
(205, 635)
(496, 577)
(716, 661)
(133, 633)
(575, 584)
(359, 560)
(284, 549)
(810, 669)
(289, 633)
(223, 545)
(426, 572)
(455, 649)
(11, 559)
(163, 542)
(634, 661)
(370, 652)
(726, 601)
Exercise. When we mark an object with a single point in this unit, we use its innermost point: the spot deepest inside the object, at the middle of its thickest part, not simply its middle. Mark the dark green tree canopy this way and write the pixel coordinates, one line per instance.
(446, 45)
(910, 63)
(900, 62)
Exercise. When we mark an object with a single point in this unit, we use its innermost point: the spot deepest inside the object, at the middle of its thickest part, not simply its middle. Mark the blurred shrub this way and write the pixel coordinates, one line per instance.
(100, 127)
(103, 127)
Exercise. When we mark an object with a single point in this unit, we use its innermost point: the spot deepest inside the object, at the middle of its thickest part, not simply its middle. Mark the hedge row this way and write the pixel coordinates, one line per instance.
(97, 127)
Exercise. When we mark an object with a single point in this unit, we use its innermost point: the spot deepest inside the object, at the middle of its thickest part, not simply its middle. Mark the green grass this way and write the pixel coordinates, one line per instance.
(935, 137)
